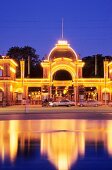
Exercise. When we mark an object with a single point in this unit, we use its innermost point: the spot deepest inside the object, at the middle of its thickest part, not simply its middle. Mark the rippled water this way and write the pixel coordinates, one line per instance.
(56, 144)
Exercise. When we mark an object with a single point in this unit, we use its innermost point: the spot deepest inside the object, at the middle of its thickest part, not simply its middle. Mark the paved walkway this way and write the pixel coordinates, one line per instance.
(39, 109)
(22, 112)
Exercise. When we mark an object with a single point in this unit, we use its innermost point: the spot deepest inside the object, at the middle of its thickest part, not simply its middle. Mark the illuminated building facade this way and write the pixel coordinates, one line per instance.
(62, 60)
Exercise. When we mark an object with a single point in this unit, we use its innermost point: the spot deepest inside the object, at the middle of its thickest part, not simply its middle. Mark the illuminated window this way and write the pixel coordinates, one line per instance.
(0, 73)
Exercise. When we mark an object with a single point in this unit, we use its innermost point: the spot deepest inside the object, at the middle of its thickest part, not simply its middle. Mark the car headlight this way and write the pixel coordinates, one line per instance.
(50, 103)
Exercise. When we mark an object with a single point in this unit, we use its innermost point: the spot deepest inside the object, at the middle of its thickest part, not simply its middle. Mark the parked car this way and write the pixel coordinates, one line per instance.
(82, 103)
(90, 103)
(63, 102)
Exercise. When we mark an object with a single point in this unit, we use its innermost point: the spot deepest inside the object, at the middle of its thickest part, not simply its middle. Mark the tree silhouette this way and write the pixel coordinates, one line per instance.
(18, 53)
(89, 67)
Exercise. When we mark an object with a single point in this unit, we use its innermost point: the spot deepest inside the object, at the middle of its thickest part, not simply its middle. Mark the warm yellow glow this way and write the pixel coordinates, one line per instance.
(12, 69)
(60, 59)
(22, 65)
(2, 143)
(43, 64)
(38, 81)
(11, 88)
(8, 60)
(61, 45)
(13, 139)
(106, 90)
(3, 56)
(1, 67)
(62, 42)
(65, 90)
(61, 147)
(3, 152)
(109, 137)
(1, 89)
(62, 162)
(63, 143)
(81, 64)
(74, 67)
(13, 62)
(110, 63)
(81, 139)
(92, 79)
(110, 71)
(51, 52)
(74, 52)
(19, 90)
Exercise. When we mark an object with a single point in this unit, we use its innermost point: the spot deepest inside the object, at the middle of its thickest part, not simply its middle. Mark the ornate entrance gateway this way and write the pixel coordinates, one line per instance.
(63, 68)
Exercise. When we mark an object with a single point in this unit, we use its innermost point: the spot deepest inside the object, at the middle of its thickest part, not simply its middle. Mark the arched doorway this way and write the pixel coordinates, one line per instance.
(62, 75)
(63, 90)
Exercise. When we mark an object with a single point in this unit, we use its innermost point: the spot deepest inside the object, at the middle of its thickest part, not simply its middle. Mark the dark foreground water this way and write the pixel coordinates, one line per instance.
(56, 145)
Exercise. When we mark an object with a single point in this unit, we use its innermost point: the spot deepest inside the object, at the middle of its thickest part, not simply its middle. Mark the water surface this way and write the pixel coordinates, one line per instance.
(56, 144)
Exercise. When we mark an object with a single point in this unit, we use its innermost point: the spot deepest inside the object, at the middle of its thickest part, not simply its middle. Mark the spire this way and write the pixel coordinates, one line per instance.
(62, 29)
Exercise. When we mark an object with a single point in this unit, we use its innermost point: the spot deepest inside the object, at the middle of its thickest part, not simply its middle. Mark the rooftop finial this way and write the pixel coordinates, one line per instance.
(62, 29)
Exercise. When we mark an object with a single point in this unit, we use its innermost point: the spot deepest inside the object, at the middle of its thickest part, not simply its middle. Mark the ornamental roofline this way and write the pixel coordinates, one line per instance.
(61, 45)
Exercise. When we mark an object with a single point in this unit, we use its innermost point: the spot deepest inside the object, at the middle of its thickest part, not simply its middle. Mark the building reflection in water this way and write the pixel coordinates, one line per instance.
(65, 144)
(63, 141)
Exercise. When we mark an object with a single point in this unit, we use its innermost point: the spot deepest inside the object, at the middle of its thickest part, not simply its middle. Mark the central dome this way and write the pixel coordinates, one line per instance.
(62, 50)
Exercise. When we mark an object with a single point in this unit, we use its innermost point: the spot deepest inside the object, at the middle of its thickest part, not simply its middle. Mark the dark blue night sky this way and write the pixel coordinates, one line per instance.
(37, 23)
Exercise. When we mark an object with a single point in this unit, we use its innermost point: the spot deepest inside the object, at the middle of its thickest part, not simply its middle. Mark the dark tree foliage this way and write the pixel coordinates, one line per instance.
(37, 70)
(18, 53)
(89, 67)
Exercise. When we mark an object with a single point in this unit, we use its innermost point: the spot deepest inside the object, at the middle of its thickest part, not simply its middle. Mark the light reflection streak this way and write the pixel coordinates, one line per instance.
(13, 139)
(2, 142)
(63, 141)
(109, 137)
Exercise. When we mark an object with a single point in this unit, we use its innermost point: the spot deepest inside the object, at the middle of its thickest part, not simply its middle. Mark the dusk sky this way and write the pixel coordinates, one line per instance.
(37, 23)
